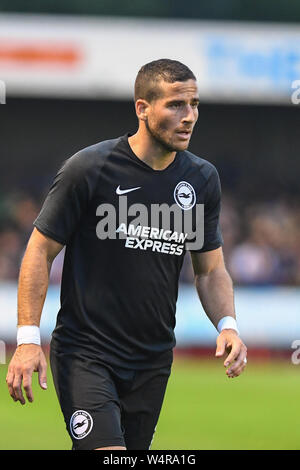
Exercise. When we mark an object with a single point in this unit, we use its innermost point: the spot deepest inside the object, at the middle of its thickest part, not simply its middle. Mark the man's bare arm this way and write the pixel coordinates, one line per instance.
(34, 277)
(32, 289)
(215, 290)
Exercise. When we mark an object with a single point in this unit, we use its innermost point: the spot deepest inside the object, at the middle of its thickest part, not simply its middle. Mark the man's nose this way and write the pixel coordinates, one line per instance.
(189, 115)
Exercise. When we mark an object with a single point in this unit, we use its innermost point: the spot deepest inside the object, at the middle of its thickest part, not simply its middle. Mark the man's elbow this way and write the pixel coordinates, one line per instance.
(44, 245)
(211, 274)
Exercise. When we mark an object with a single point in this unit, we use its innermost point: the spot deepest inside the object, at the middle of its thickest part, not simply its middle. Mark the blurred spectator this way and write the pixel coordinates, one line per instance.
(230, 221)
(10, 254)
(268, 253)
(23, 210)
(261, 243)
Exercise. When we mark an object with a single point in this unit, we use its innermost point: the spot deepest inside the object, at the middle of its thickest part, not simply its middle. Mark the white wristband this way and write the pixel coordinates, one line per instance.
(28, 334)
(227, 323)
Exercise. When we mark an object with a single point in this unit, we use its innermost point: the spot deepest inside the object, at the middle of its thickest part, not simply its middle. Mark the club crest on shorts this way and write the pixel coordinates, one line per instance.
(184, 195)
(81, 424)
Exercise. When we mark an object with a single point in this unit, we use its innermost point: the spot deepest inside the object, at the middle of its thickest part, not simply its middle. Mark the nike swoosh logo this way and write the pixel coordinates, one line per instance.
(124, 191)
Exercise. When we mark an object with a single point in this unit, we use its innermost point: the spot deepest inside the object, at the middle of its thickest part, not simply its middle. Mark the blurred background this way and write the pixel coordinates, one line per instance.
(68, 68)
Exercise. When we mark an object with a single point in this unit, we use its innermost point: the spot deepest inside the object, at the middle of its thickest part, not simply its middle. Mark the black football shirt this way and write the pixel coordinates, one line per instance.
(119, 293)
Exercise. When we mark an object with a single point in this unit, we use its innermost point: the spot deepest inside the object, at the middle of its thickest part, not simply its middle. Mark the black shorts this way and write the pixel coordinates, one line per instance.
(106, 406)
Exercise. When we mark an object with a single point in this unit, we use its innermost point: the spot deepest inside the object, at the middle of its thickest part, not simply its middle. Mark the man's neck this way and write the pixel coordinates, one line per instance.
(150, 151)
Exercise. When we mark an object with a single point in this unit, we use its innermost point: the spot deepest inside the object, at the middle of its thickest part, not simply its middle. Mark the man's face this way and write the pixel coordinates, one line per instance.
(171, 117)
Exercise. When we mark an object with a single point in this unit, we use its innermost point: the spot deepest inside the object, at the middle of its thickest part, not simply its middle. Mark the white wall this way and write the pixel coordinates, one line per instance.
(90, 57)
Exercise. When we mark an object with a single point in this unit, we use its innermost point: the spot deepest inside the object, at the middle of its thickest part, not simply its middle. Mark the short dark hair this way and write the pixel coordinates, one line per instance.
(146, 83)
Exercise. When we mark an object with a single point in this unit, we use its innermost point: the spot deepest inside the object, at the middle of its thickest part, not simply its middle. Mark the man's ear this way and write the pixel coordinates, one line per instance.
(141, 108)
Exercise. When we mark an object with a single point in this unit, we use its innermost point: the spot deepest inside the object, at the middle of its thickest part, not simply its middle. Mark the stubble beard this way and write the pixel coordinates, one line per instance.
(158, 138)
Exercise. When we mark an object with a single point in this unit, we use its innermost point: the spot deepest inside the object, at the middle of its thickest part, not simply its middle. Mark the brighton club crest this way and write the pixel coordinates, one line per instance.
(81, 424)
(184, 195)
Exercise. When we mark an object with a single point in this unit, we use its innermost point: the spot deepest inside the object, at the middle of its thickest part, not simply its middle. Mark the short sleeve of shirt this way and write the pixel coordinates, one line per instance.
(67, 199)
(212, 206)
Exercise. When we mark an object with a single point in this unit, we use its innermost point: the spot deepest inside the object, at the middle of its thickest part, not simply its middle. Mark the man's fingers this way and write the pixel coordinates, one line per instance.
(236, 350)
(42, 370)
(236, 372)
(27, 384)
(26, 360)
(221, 343)
(232, 356)
(239, 364)
(18, 389)
(10, 380)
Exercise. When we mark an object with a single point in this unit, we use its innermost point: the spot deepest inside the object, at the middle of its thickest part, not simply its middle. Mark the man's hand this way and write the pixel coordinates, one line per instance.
(28, 358)
(229, 341)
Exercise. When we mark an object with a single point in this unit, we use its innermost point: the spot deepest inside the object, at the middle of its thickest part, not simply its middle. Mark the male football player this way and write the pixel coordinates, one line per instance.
(112, 347)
